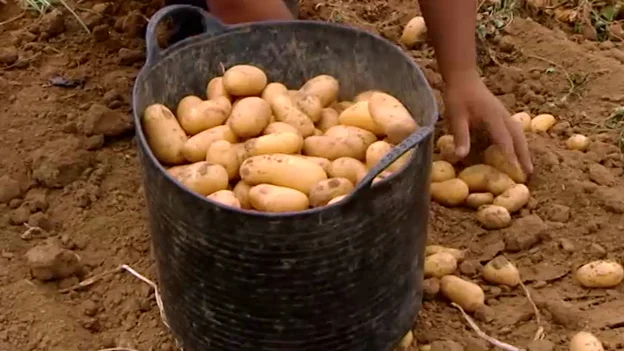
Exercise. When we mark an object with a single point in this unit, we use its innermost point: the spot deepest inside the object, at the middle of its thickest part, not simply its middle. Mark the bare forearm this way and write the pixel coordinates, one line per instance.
(241, 11)
(451, 28)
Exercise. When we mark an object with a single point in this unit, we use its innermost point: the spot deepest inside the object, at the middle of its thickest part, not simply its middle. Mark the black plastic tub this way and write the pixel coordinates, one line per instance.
(345, 277)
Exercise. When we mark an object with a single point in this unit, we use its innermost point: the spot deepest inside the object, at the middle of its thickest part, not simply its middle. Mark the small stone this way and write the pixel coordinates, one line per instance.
(556, 213)
(539, 284)
(128, 57)
(101, 33)
(431, 287)
(495, 291)
(566, 245)
(48, 261)
(69, 128)
(598, 251)
(110, 123)
(39, 219)
(15, 203)
(111, 96)
(560, 128)
(90, 308)
(53, 23)
(9, 189)
(601, 175)
(20, 215)
(8, 55)
(36, 200)
(470, 268)
(541, 345)
(94, 142)
(134, 24)
(485, 314)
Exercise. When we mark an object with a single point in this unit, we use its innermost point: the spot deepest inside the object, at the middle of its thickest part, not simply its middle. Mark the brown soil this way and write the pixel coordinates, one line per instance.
(70, 168)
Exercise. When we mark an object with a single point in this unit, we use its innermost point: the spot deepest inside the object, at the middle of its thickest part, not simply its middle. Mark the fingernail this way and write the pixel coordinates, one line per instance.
(461, 151)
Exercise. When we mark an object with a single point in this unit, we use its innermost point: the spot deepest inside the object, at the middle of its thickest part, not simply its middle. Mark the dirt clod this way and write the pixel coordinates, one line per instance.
(9, 189)
(59, 162)
(541, 345)
(8, 55)
(524, 233)
(49, 261)
(446, 345)
(601, 175)
(102, 120)
(128, 57)
(53, 23)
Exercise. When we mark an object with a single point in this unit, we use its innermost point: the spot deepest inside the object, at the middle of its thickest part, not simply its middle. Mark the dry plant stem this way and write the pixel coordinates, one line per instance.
(539, 334)
(75, 16)
(156, 292)
(91, 281)
(497, 343)
(565, 72)
(13, 19)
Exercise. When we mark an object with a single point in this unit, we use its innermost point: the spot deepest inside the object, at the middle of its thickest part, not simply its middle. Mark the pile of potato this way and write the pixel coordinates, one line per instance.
(258, 145)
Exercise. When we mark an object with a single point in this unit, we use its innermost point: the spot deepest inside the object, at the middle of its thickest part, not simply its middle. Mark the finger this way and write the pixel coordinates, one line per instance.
(501, 135)
(460, 129)
(521, 146)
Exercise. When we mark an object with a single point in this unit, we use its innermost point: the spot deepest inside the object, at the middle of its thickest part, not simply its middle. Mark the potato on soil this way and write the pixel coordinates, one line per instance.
(495, 157)
(164, 135)
(542, 123)
(493, 217)
(408, 340)
(249, 117)
(329, 118)
(196, 115)
(279, 127)
(348, 167)
(324, 87)
(282, 170)
(393, 118)
(514, 198)
(286, 111)
(434, 249)
(328, 189)
(439, 265)
(241, 190)
(332, 148)
(600, 274)
(225, 197)
(223, 153)
(273, 198)
(467, 295)
(485, 178)
(414, 31)
(244, 80)
(584, 341)
(358, 115)
(476, 200)
(500, 271)
(201, 177)
(578, 142)
(272, 90)
(452, 192)
(336, 199)
(282, 143)
(196, 147)
(445, 145)
(524, 119)
(441, 171)
(215, 89)
(308, 104)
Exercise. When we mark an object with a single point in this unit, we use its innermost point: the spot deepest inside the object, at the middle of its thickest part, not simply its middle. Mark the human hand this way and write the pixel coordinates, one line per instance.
(469, 104)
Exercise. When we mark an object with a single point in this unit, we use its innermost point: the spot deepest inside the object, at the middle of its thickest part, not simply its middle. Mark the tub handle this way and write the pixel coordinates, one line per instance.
(154, 52)
(407, 144)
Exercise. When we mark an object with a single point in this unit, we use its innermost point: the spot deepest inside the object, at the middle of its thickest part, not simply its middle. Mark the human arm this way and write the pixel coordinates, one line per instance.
(242, 11)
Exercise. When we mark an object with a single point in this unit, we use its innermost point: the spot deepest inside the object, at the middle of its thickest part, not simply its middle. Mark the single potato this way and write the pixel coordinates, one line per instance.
(282, 143)
(348, 167)
(308, 104)
(365, 95)
(282, 170)
(222, 152)
(279, 127)
(272, 90)
(216, 89)
(225, 197)
(164, 135)
(524, 119)
(414, 32)
(324, 87)
(578, 142)
(332, 148)
(500, 271)
(493, 217)
(196, 148)
(241, 190)
(600, 274)
(542, 123)
(514, 198)
(329, 118)
(244, 80)
(272, 198)
(249, 117)
(442, 171)
(328, 189)
(358, 115)
(201, 177)
(469, 296)
(286, 111)
(485, 178)
(452, 192)
(393, 118)
(376, 151)
(476, 200)
(408, 340)
(439, 265)
(323, 162)
(434, 249)
(336, 199)
(584, 341)
(196, 115)
(494, 157)
(445, 145)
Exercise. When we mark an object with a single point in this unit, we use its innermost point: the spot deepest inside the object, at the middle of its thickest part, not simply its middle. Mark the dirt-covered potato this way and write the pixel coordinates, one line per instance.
(282, 170)
(584, 341)
(196, 147)
(272, 90)
(249, 117)
(286, 111)
(390, 114)
(279, 127)
(324, 87)
(500, 271)
(329, 118)
(272, 198)
(578, 142)
(514, 198)
(441, 171)
(244, 80)
(485, 178)
(348, 167)
(524, 119)
(542, 123)
(600, 274)
(493, 217)
(336, 199)
(201, 177)
(452, 192)
(358, 115)
(476, 200)
(439, 265)
(308, 104)
(196, 115)
(241, 190)
(164, 135)
(225, 197)
(433, 249)
(495, 157)
(278, 143)
(222, 152)
(328, 189)
(216, 89)
(415, 31)
(467, 295)
(332, 148)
